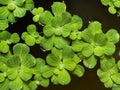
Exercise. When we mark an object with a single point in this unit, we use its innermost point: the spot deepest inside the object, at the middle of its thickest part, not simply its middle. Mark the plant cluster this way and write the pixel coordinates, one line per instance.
(114, 6)
(69, 46)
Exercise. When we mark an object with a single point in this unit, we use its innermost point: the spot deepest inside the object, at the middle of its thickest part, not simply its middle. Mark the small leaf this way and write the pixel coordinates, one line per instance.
(4, 12)
(4, 48)
(33, 85)
(31, 29)
(29, 40)
(25, 73)
(58, 8)
(99, 51)
(15, 38)
(113, 35)
(69, 64)
(79, 71)
(105, 2)
(87, 50)
(16, 84)
(44, 82)
(37, 11)
(116, 78)
(90, 62)
(20, 49)
(5, 35)
(19, 12)
(46, 17)
(3, 24)
(112, 10)
(2, 77)
(12, 73)
(117, 4)
(53, 60)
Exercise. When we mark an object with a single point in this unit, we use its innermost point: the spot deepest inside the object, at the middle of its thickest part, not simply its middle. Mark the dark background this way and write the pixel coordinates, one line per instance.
(88, 10)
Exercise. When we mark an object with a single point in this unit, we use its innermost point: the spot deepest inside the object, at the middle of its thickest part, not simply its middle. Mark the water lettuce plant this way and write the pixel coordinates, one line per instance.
(69, 48)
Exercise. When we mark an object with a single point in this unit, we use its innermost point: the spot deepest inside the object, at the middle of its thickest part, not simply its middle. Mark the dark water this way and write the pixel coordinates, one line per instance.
(88, 10)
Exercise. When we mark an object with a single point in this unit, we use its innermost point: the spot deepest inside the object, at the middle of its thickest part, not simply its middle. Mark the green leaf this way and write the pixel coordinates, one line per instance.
(112, 10)
(5, 85)
(19, 12)
(99, 51)
(29, 5)
(77, 45)
(87, 50)
(107, 63)
(109, 48)
(116, 78)
(113, 35)
(24, 35)
(48, 30)
(69, 64)
(5, 35)
(25, 73)
(66, 18)
(20, 49)
(3, 24)
(28, 61)
(59, 42)
(16, 84)
(47, 71)
(30, 40)
(79, 71)
(31, 29)
(4, 48)
(58, 8)
(117, 4)
(105, 2)
(44, 82)
(37, 11)
(11, 18)
(108, 84)
(13, 61)
(100, 39)
(15, 38)
(46, 17)
(67, 52)
(4, 12)
(63, 78)
(47, 43)
(33, 85)
(95, 27)
(12, 73)
(53, 60)
(2, 77)
(90, 62)
(5, 2)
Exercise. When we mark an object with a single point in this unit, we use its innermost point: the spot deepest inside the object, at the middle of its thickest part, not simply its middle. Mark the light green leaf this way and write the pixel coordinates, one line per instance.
(5, 2)
(3, 24)
(4, 12)
(67, 52)
(44, 82)
(30, 40)
(15, 38)
(46, 17)
(4, 48)
(11, 18)
(29, 61)
(64, 77)
(108, 84)
(69, 64)
(12, 73)
(113, 35)
(100, 39)
(33, 85)
(112, 10)
(90, 62)
(117, 4)
(79, 71)
(37, 11)
(109, 48)
(48, 30)
(118, 64)
(107, 63)
(95, 27)
(105, 2)
(17, 84)
(20, 49)
(87, 50)
(77, 45)
(59, 42)
(19, 12)
(31, 29)
(2, 77)
(116, 78)
(24, 35)
(5, 85)
(47, 43)
(99, 51)
(47, 71)
(29, 5)
(57, 52)
(53, 60)
(58, 8)
(25, 73)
